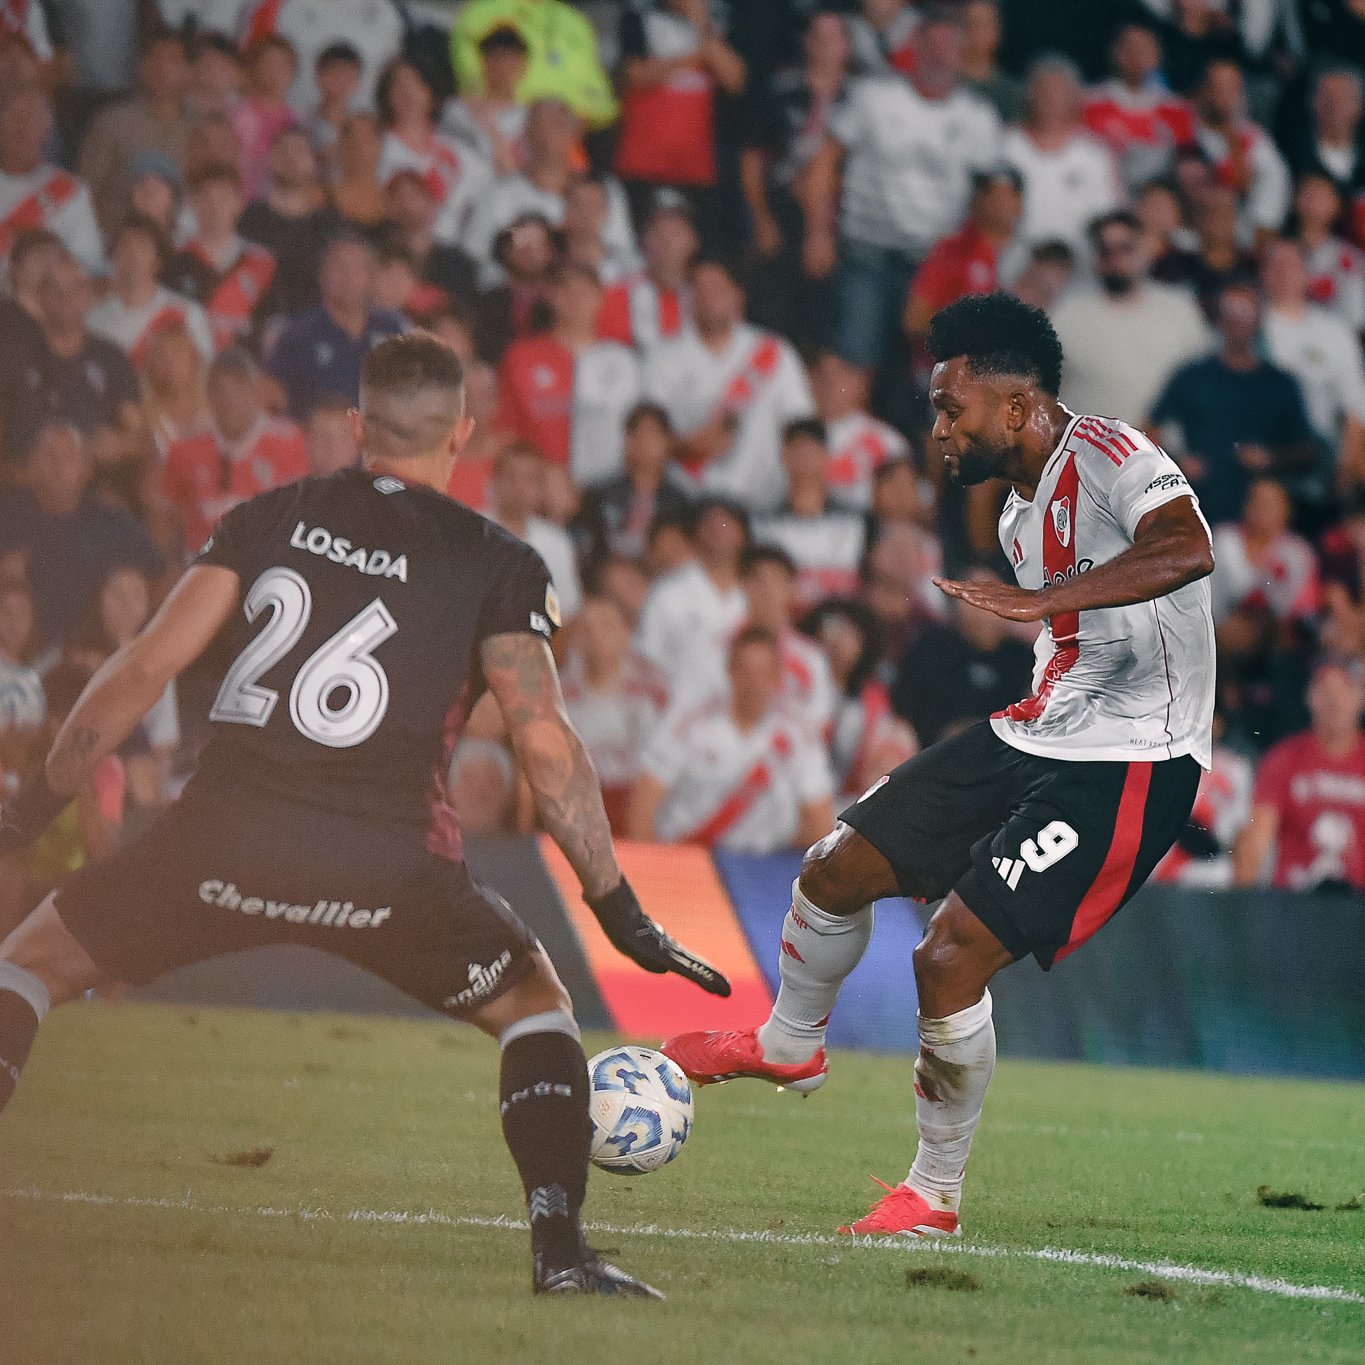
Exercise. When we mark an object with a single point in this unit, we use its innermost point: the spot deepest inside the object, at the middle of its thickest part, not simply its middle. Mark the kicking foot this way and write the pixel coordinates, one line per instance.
(709, 1058)
(592, 1275)
(903, 1210)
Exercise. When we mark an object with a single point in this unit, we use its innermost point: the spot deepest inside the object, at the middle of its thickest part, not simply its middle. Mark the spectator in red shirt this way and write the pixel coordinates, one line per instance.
(1135, 113)
(564, 391)
(981, 256)
(676, 61)
(1310, 795)
(654, 304)
(241, 452)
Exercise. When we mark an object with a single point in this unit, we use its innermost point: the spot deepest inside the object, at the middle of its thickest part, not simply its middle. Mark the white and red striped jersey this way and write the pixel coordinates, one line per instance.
(1141, 127)
(617, 724)
(130, 329)
(1116, 683)
(757, 381)
(827, 550)
(859, 444)
(636, 312)
(1283, 579)
(1336, 279)
(50, 198)
(1249, 162)
(455, 175)
(734, 789)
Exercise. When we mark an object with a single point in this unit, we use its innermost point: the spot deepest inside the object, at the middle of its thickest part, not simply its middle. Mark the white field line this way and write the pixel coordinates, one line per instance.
(1165, 1270)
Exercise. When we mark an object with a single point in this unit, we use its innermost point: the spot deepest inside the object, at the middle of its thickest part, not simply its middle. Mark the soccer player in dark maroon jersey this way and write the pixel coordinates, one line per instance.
(354, 620)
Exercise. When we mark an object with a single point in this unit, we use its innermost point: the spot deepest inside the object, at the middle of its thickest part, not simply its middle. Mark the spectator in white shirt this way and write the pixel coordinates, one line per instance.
(1125, 334)
(1336, 268)
(1242, 154)
(553, 133)
(729, 388)
(692, 613)
(859, 444)
(826, 541)
(518, 492)
(1319, 349)
(1069, 177)
(615, 699)
(138, 304)
(748, 776)
(908, 150)
(1262, 570)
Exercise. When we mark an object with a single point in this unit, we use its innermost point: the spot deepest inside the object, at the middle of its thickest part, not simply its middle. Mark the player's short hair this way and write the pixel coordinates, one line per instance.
(755, 556)
(402, 385)
(998, 334)
(810, 428)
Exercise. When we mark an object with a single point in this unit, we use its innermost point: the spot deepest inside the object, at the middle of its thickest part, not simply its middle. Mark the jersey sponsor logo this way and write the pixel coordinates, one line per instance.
(319, 541)
(1071, 570)
(1061, 521)
(326, 914)
(386, 483)
(482, 981)
(1164, 481)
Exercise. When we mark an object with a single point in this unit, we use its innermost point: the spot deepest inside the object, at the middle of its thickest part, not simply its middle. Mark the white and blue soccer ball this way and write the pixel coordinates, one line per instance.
(641, 1108)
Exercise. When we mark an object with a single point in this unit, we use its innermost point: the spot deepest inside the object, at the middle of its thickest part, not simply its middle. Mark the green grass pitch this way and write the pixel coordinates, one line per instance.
(141, 1222)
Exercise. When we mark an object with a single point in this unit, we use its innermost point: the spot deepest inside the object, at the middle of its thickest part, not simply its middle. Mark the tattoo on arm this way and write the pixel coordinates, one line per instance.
(521, 674)
(69, 763)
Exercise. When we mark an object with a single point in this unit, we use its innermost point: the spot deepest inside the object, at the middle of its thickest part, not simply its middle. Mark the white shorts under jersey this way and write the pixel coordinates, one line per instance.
(1120, 683)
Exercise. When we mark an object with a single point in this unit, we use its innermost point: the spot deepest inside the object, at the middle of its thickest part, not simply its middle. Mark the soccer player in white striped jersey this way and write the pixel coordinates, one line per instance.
(1035, 827)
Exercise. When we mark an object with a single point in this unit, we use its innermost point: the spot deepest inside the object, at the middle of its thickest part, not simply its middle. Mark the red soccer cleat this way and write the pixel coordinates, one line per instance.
(902, 1210)
(709, 1058)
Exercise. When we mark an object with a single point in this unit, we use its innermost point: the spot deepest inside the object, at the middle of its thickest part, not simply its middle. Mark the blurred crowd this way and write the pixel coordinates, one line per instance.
(688, 252)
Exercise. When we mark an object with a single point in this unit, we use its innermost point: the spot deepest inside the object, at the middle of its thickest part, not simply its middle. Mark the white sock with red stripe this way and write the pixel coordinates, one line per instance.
(818, 952)
(952, 1071)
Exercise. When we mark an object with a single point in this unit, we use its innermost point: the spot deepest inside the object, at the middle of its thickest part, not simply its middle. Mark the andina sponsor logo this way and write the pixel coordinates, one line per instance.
(327, 914)
(481, 981)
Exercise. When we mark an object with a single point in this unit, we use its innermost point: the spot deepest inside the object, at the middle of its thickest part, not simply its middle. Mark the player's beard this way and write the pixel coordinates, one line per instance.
(979, 462)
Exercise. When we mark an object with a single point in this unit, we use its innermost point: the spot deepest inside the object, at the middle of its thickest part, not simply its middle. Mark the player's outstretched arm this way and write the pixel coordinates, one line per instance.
(1171, 547)
(521, 674)
(119, 695)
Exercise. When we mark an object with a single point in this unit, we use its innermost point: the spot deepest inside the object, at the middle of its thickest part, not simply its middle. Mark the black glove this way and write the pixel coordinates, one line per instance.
(29, 814)
(633, 933)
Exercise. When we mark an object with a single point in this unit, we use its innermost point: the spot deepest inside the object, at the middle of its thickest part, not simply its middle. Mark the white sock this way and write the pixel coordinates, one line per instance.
(956, 1058)
(818, 952)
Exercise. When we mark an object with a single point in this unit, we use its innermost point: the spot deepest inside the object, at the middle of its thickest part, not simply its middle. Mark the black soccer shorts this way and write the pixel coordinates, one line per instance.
(223, 871)
(1042, 850)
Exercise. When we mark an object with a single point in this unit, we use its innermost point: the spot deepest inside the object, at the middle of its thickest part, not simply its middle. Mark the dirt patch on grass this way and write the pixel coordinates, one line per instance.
(940, 1277)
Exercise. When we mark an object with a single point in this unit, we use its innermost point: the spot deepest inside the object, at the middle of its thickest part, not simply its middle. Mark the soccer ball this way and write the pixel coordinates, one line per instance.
(641, 1108)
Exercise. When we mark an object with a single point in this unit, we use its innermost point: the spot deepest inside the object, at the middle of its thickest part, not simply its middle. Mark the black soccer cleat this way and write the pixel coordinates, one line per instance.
(592, 1276)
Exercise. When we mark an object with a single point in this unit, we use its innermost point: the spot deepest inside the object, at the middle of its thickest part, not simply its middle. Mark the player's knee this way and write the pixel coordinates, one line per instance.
(941, 961)
(838, 877)
(42, 948)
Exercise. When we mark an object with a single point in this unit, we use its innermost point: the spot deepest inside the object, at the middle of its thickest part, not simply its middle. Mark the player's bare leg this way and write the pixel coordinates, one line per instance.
(824, 936)
(41, 965)
(544, 1103)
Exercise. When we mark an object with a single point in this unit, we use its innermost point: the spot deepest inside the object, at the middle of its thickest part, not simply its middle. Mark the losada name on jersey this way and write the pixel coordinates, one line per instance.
(376, 563)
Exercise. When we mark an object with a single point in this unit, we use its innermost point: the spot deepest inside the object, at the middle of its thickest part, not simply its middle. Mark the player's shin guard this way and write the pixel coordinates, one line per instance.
(544, 1093)
(956, 1058)
(23, 1003)
(818, 951)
